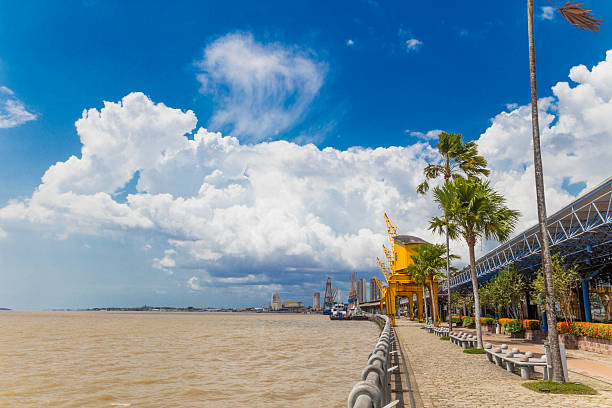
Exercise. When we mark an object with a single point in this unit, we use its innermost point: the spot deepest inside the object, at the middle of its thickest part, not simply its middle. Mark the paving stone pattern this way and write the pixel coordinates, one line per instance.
(447, 377)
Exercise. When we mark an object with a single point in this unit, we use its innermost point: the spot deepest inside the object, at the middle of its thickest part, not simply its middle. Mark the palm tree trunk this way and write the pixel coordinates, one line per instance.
(553, 337)
(434, 302)
(450, 320)
(425, 304)
(476, 298)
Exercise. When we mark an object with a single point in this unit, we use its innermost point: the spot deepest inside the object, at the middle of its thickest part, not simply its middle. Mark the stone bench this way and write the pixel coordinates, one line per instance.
(513, 358)
(430, 328)
(463, 339)
(441, 331)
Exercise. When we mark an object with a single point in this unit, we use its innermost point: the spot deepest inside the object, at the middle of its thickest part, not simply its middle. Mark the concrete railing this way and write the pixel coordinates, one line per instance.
(374, 391)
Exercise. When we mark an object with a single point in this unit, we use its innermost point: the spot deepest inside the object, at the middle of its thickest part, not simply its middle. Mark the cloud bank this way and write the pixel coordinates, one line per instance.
(268, 215)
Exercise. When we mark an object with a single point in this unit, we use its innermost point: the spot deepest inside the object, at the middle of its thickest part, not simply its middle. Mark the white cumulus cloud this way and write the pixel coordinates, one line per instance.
(12, 111)
(273, 214)
(194, 283)
(167, 262)
(575, 138)
(260, 90)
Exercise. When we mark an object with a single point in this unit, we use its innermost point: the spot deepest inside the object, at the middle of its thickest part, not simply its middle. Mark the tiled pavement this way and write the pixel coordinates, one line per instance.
(596, 366)
(447, 377)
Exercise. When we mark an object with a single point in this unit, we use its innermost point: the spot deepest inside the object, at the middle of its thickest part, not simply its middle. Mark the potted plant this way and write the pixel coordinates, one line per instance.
(514, 328)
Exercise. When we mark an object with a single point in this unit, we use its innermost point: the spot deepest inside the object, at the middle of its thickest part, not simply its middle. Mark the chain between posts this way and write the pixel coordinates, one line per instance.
(374, 389)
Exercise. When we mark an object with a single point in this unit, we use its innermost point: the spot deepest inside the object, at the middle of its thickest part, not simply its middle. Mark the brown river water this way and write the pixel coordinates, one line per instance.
(103, 359)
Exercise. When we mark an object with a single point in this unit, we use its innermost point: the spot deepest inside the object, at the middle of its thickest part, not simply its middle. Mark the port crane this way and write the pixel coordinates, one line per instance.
(399, 282)
(384, 268)
(392, 231)
(330, 296)
(389, 256)
(352, 298)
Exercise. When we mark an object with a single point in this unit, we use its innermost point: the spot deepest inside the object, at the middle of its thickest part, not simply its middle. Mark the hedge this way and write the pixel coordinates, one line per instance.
(504, 320)
(468, 321)
(483, 320)
(585, 329)
(487, 320)
(513, 326)
(531, 324)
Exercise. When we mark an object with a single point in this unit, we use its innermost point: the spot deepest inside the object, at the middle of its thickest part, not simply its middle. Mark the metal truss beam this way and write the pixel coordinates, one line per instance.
(582, 230)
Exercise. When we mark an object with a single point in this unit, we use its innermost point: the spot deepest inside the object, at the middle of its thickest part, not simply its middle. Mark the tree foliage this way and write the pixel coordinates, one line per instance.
(565, 280)
(506, 291)
(457, 156)
(428, 262)
(474, 210)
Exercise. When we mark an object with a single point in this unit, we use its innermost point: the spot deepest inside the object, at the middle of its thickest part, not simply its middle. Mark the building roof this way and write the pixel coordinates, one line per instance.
(581, 231)
(408, 239)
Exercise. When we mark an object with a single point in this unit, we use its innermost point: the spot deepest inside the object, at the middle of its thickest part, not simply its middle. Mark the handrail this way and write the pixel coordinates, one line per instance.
(374, 391)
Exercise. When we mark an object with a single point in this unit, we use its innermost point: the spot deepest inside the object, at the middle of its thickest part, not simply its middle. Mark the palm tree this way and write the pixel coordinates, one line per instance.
(585, 20)
(457, 157)
(418, 270)
(429, 260)
(475, 211)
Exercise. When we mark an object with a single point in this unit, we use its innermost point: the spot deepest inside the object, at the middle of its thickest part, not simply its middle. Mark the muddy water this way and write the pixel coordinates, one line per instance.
(102, 359)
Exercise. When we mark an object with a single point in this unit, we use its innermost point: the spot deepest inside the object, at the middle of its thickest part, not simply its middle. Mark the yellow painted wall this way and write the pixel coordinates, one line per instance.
(402, 254)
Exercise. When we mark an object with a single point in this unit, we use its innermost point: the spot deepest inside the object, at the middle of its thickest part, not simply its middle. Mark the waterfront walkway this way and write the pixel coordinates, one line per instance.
(444, 376)
(594, 365)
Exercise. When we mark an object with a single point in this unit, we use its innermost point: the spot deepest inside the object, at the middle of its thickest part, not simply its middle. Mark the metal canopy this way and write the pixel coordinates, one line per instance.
(582, 231)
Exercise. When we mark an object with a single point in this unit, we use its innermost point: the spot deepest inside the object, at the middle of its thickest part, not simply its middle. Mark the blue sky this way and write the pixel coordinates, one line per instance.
(336, 74)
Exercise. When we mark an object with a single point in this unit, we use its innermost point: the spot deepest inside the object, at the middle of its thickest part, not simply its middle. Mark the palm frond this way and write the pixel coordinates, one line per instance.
(423, 187)
(579, 16)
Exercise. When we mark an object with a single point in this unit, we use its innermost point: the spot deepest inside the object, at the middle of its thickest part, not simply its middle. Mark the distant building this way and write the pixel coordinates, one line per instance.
(292, 306)
(374, 291)
(275, 303)
(316, 303)
(362, 287)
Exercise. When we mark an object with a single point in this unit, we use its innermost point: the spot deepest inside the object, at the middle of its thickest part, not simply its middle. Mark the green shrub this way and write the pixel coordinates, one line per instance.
(445, 338)
(488, 320)
(513, 326)
(468, 321)
(456, 320)
(474, 351)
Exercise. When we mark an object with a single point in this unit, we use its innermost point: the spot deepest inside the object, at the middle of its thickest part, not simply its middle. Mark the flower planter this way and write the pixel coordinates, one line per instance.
(570, 341)
(535, 335)
(489, 328)
(601, 346)
(518, 335)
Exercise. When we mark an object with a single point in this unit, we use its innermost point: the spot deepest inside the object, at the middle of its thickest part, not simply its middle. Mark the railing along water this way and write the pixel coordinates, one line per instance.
(374, 391)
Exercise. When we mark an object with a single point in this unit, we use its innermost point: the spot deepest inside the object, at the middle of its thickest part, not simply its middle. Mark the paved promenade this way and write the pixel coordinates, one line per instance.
(446, 377)
(596, 366)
